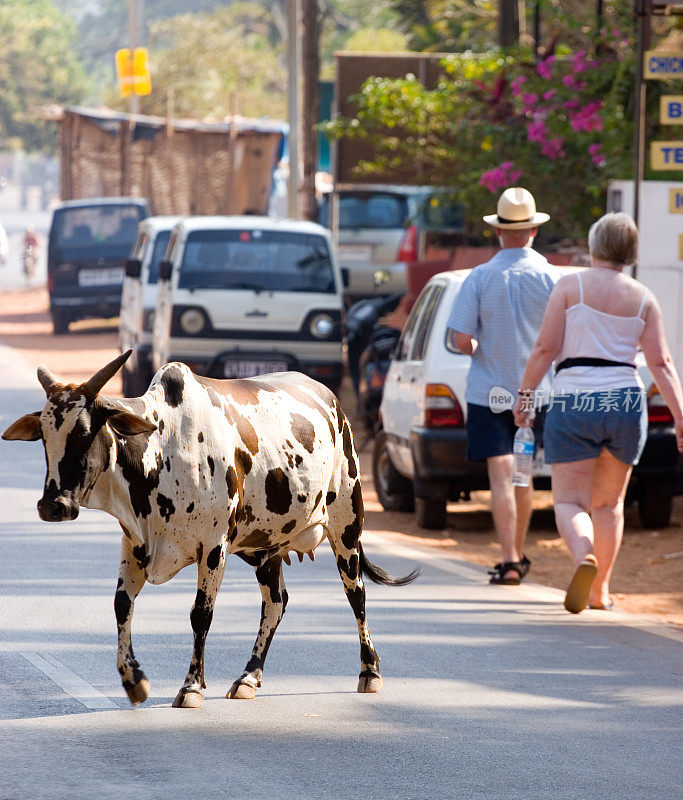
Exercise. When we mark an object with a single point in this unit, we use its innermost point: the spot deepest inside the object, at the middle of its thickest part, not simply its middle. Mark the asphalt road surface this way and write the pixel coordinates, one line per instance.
(490, 692)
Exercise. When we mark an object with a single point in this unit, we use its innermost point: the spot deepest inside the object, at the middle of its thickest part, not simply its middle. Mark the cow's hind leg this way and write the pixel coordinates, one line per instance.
(130, 582)
(346, 548)
(274, 594)
(211, 568)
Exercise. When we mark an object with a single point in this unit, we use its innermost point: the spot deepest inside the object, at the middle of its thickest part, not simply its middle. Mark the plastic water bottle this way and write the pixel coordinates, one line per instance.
(523, 451)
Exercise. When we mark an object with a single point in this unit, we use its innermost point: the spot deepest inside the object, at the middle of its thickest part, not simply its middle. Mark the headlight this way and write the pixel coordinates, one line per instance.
(148, 320)
(192, 321)
(322, 326)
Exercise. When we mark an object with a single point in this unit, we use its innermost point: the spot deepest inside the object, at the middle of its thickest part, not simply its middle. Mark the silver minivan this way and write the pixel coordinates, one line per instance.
(244, 296)
(138, 301)
(380, 229)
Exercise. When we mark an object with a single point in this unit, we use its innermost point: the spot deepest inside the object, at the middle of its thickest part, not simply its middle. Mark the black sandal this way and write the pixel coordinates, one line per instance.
(500, 570)
(524, 563)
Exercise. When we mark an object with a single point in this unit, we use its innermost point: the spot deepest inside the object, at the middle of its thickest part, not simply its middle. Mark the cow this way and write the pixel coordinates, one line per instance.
(199, 468)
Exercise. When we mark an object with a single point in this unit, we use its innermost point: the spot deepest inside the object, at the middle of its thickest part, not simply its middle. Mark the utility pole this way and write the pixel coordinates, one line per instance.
(310, 58)
(508, 23)
(134, 14)
(642, 13)
(294, 63)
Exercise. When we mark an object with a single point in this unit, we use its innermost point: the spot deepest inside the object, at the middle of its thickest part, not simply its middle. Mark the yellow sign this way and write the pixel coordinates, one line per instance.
(671, 109)
(676, 201)
(680, 246)
(133, 73)
(661, 66)
(666, 155)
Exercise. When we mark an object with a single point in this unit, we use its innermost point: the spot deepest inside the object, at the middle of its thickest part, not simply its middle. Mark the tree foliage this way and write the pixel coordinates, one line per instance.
(37, 67)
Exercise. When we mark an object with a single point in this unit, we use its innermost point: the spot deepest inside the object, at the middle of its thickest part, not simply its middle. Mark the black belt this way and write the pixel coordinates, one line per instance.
(591, 362)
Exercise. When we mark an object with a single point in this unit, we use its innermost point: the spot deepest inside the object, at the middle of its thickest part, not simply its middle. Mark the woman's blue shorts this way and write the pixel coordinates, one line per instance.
(579, 425)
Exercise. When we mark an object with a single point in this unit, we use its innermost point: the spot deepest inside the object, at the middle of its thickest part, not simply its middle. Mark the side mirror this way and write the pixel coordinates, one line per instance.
(165, 270)
(133, 266)
(345, 276)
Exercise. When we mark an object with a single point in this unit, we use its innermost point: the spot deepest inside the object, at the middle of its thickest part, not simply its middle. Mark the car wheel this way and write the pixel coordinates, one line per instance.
(430, 512)
(654, 506)
(394, 492)
(60, 322)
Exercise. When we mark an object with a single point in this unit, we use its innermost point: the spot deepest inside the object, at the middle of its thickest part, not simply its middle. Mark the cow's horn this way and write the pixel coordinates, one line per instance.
(93, 386)
(47, 379)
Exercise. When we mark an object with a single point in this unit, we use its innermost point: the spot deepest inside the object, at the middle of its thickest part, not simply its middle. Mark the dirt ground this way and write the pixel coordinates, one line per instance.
(648, 578)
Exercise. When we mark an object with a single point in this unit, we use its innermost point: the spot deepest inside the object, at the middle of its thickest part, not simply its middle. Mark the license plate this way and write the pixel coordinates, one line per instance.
(248, 369)
(353, 252)
(101, 277)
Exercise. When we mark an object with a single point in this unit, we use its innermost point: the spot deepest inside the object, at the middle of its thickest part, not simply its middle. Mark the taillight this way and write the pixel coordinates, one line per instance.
(407, 250)
(441, 407)
(657, 411)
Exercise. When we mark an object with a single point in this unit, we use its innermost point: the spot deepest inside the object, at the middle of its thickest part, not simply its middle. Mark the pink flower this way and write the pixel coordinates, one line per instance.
(573, 103)
(553, 148)
(578, 62)
(498, 177)
(529, 99)
(597, 156)
(587, 118)
(545, 68)
(537, 131)
(517, 85)
(549, 94)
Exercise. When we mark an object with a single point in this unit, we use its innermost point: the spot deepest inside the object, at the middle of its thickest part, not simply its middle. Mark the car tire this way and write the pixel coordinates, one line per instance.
(394, 491)
(60, 323)
(654, 505)
(430, 512)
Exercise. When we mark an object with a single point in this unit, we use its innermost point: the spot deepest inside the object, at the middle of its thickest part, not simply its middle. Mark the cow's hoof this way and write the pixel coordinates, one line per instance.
(139, 692)
(188, 699)
(367, 684)
(241, 691)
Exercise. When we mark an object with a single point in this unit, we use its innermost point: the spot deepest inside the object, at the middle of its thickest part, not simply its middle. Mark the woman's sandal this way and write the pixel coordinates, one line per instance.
(579, 589)
(500, 570)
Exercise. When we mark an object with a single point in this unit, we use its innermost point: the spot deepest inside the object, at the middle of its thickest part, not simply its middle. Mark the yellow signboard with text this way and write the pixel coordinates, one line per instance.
(662, 66)
(671, 109)
(133, 71)
(666, 156)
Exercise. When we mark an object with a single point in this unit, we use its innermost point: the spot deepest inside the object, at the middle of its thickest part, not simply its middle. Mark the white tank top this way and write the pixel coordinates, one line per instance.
(596, 334)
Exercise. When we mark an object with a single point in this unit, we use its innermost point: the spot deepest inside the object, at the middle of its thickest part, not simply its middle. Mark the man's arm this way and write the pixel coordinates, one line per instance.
(463, 342)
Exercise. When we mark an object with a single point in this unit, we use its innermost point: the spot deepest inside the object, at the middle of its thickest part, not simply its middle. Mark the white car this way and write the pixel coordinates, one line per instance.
(419, 458)
(246, 295)
(138, 302)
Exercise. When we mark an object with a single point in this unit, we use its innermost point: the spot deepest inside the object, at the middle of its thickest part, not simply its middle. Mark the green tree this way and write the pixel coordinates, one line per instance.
(38, 66)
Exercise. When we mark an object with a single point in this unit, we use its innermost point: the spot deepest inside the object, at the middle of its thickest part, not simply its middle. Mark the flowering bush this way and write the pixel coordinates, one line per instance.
(557, 127)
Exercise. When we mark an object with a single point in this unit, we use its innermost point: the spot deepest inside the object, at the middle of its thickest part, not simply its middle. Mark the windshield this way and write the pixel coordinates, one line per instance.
(157, 256)
(256, 260)
(96, 225)
(372, 210)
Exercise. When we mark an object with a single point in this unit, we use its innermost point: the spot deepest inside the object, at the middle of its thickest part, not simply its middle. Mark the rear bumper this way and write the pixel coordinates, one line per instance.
(440, 455)
(102, 305)
(362, 276)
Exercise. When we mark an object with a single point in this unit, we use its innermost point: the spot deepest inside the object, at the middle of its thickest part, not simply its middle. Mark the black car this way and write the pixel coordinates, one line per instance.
(88, 245)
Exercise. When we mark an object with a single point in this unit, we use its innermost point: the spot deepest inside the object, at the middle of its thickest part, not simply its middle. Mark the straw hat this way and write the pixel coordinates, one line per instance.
(516, 210)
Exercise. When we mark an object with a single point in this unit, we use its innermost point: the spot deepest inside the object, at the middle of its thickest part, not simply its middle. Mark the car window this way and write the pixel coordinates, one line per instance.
(160, 244)
(83, 227)
(404, 345)
(379, 210)
(139, 245)
(424, 326)
(440, 211)
(256, 260)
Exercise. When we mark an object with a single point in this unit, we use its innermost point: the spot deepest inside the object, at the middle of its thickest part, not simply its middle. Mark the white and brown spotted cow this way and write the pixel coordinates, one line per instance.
(196, 469)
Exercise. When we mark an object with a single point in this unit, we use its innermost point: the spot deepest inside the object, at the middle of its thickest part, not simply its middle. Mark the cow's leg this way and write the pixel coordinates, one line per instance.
(131, 580)
(210, 568)
(274, 594)
(346, 524)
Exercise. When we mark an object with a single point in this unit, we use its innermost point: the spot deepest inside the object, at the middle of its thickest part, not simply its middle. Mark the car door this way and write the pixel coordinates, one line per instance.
(400, 402)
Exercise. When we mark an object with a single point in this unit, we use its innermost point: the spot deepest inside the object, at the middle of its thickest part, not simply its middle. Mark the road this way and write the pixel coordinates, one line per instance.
(490, 692)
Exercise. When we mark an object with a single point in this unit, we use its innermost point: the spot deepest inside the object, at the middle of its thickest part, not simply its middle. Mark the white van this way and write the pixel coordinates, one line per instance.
(138, 301)
(244, 296)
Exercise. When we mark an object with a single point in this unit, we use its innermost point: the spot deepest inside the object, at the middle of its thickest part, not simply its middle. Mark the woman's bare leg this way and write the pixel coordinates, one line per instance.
(610, 480)
(572, 483)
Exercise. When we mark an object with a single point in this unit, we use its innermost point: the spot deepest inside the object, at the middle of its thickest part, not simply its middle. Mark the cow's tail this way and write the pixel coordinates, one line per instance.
(378, 575)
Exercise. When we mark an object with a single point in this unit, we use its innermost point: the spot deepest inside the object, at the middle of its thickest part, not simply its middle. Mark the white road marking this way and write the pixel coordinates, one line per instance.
(71, 683)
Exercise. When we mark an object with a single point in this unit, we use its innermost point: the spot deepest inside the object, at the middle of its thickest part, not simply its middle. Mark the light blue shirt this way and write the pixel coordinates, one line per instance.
(501, 304)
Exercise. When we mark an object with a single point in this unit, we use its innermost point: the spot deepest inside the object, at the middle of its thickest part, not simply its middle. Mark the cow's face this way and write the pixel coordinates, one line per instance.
(73, 428)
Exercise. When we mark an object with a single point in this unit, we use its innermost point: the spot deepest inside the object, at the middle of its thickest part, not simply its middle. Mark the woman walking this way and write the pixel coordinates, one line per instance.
(596, 427)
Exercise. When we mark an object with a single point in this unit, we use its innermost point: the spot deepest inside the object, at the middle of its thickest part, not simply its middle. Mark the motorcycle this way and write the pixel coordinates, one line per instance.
(369, 348)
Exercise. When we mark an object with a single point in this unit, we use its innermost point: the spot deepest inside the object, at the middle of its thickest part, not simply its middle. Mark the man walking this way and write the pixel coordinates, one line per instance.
(496, 319)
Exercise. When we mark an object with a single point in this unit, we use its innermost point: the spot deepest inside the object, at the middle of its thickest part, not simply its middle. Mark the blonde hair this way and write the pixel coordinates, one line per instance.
(614, 238)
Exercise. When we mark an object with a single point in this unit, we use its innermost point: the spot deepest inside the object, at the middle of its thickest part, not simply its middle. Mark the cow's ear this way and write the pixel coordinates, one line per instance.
(25, 429)
(125, 423)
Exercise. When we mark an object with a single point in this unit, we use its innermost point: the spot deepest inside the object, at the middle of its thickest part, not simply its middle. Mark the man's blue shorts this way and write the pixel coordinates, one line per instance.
(588, 421)
(490, 434)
